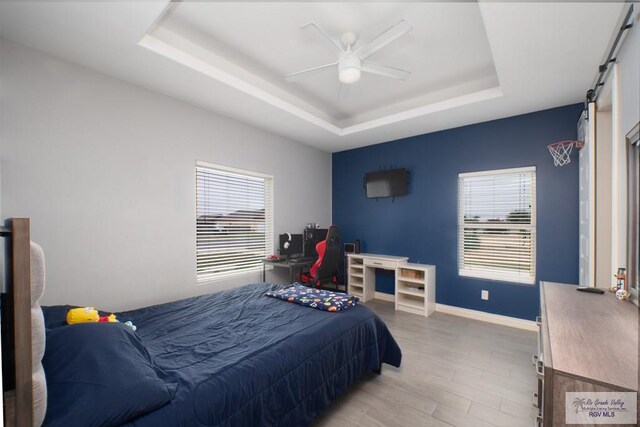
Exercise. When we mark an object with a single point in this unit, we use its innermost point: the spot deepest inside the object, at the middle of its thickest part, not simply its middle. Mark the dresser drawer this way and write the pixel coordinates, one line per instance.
(380, 263)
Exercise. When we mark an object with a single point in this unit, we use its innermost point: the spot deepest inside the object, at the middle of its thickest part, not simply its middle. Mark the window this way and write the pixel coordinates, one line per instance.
(497, 225)
(234, 221)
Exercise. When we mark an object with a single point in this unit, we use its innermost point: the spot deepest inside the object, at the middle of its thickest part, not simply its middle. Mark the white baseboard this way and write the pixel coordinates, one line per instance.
(498, 319)
(385, 297)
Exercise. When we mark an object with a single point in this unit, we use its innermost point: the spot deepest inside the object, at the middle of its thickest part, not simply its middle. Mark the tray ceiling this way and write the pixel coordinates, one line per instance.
(469, 61)
(445, 60)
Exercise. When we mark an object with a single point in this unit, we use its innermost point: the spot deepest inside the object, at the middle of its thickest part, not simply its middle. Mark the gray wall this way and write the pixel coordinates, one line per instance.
(105, 170)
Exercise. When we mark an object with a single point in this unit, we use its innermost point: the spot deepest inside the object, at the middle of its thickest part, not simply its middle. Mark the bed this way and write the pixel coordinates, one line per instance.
(231, 358)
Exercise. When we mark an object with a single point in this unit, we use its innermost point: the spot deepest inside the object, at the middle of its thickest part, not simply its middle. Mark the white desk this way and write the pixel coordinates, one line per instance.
(414, 284)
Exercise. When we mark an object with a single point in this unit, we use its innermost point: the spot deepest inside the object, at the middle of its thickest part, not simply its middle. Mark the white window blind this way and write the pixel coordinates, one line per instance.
(234, 221)
(497, 225)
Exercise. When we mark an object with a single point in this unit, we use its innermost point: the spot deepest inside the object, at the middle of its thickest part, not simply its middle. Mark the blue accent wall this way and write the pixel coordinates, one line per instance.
(423, 224)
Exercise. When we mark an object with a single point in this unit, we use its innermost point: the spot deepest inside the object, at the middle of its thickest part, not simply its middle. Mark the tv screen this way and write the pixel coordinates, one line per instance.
(389, 183)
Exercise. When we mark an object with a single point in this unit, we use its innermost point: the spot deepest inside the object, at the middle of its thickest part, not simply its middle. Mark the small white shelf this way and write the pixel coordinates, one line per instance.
(408, 291)
(415, 288)
(410, 280)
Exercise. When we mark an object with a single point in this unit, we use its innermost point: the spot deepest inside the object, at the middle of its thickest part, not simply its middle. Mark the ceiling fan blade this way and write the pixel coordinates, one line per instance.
(384, 70)
(343, 92)
(398, 30)
(310, 71)
(321, 36)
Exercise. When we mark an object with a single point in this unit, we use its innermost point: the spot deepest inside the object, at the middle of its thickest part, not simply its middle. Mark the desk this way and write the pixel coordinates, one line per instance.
(414, 285)
(294, 266)
(361, 272)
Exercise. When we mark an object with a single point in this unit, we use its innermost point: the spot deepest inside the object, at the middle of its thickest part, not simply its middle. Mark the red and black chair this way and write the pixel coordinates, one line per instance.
(325, 269)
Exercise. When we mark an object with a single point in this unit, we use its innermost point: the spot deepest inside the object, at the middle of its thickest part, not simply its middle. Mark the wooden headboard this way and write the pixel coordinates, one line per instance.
(16, 325)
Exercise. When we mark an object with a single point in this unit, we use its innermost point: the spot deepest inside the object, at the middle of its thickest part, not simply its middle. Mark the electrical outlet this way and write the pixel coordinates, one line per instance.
(484, 295)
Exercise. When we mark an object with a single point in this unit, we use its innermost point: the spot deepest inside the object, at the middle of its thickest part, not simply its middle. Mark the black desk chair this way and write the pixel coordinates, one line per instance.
(325, 269)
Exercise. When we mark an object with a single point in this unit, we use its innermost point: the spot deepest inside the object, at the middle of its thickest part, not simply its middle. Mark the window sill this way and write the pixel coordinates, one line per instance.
(511, 278)
(230, 278)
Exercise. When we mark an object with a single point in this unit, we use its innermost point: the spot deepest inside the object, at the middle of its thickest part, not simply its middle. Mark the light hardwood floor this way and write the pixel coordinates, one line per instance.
(455, 372)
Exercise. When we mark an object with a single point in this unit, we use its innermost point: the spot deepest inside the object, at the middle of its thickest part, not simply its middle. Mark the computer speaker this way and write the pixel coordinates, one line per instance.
(352, 248)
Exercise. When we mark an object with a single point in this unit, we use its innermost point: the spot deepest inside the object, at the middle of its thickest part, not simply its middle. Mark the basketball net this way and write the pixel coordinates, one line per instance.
(561, 151)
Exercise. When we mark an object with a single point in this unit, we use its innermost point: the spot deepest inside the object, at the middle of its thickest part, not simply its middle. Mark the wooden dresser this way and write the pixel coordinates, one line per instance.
(587, 342)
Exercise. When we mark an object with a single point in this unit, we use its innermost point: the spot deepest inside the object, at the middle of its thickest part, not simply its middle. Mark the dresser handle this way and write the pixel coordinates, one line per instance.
(535, 400)
(534, 360)
(539, 320)
(540, 369)
(539, 422)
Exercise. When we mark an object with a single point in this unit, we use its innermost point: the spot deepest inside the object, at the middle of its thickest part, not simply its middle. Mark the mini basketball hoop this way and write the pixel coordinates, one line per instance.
(562, 150)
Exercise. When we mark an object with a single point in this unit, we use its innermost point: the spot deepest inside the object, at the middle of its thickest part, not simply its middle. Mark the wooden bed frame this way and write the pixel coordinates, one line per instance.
(16, 325)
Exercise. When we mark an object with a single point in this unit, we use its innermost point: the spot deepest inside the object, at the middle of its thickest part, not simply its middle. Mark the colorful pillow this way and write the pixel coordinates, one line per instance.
(100, 374)
(315, 298)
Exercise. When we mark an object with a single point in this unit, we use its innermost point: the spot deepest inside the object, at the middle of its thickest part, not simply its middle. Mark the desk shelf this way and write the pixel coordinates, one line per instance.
(415, 288)
(356, 281)
(411, 280)
(358, 277)
(410, 302)
(356, 273)
(357, 261)
(411, 291)
(357, 290)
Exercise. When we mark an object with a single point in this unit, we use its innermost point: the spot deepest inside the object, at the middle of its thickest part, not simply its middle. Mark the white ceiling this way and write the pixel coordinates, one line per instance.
(470, 62)
(440, 55)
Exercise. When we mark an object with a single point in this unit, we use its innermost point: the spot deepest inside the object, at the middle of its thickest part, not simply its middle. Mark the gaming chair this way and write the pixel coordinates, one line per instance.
(325, 269)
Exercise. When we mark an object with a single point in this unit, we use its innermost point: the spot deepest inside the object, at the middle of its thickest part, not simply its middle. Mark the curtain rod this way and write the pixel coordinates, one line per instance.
(592, 94)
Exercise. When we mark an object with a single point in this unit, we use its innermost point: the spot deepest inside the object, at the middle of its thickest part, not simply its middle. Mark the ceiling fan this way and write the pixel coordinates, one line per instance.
(352, 63)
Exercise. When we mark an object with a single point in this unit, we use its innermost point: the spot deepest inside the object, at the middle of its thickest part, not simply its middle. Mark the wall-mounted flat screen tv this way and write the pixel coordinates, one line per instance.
(387, 183)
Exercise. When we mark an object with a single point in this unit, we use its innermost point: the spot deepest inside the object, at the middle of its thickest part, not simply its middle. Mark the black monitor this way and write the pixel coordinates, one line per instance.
(290, 245)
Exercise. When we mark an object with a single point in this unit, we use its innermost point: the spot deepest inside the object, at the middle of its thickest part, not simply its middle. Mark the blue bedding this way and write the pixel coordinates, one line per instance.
(240, 358)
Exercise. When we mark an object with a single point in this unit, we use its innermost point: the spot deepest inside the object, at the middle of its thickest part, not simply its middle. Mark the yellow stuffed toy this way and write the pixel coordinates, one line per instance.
(87, 315)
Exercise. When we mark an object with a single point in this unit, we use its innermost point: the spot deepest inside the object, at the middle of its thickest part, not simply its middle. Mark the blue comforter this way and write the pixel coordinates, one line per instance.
(243, 359)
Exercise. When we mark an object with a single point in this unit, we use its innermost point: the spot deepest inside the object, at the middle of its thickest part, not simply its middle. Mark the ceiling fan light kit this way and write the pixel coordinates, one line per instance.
(349, 70)
(352, 63)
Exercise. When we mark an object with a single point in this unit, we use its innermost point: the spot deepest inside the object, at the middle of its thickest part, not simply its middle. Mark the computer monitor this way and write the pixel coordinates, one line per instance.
(290, 245)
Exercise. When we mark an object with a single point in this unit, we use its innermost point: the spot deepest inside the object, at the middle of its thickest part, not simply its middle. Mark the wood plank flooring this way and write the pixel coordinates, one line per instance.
(455, 372)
